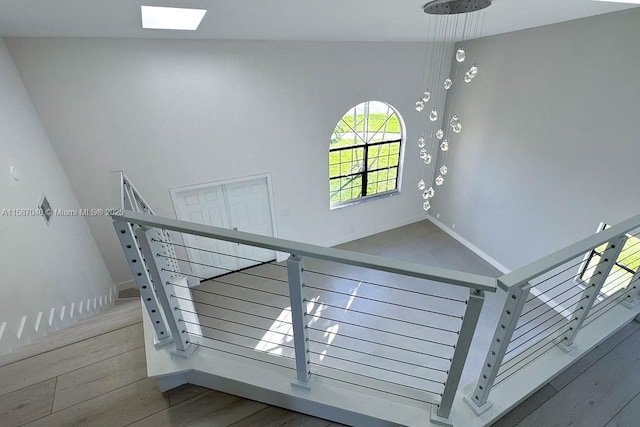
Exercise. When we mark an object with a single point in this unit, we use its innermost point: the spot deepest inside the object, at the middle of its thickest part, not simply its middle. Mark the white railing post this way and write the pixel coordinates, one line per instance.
(591, 292)
(630, 298)
(295, 265)
(162, 270)
(133, 252)
(516, 298)
(469, 323)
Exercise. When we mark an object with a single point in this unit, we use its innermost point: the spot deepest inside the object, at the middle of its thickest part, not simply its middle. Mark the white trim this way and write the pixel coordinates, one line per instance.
(482, 254)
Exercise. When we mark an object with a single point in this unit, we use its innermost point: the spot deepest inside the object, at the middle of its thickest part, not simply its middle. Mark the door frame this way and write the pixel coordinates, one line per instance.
(174, 192)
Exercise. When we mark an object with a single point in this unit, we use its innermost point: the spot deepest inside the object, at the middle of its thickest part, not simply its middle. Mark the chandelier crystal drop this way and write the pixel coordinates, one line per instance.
(421, 185)
(439, 180)
(426, 96)
(443, 170)
(454, 121)
(426, 205)
(467, 77)
(419, 105)
(445, 145)
(421, 142)
(423, 154)
(425, 195)
(457, 128)
(431, 192)
(434, 115)
(461, 55)
(473, 71)
(427, 159)
(440, 134)
(448, 83)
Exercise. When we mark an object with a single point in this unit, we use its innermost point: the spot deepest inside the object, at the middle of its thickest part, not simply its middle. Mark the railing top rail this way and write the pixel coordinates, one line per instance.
(452, 277)
(549, 262)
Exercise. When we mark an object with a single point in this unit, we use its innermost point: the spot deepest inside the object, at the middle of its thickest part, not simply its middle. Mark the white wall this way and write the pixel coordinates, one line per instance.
(550, 144)
(43, 267)
(173, 113)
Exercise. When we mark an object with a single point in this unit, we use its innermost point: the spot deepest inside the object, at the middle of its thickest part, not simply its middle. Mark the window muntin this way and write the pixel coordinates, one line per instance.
(623, 270)
(365, 153)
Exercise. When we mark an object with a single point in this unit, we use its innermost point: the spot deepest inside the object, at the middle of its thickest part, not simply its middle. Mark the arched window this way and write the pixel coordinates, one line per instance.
(365, 154)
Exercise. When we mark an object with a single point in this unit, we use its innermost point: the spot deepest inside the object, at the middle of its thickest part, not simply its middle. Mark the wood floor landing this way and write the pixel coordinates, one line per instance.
(94, 374)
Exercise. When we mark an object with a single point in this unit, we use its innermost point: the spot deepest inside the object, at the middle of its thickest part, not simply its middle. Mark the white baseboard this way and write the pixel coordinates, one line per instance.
(482, 254)
(129, 284)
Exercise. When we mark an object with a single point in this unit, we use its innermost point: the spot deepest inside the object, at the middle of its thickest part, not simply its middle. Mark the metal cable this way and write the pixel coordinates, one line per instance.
(544, 303)
(235, 311)
(238, 334)
(375, 355)
(424, 310)
(218, 253)
(237, 323)
(544, 330)
(225, 269)
(240, 299)
(374, 378)
(379, 330)
(383, 344)
(550, 309)
(384, 286)
(387, 318)
(230, 284)
(247, 357)
(526, 356)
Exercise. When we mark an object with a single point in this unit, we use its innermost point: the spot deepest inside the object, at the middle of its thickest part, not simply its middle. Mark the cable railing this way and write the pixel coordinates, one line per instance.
(550, 301)
(375, 326)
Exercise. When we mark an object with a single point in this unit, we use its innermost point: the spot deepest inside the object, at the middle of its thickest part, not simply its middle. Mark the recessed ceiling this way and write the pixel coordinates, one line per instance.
(329, 20)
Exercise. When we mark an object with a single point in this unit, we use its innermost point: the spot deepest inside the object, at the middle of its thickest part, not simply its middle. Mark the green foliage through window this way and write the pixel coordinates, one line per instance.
(364, 154)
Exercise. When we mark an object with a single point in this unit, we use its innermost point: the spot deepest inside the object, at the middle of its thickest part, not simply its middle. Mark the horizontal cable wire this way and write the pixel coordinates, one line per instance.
(374, 378)
(612, 299)
(247, 357)
(384, 317)
(243, 346)
(544, 292)
(561, 283)
(384, 302)
(379, 330)
(519, 369)
(603, 310)
(572, 288)
(230, 284)
(384, 286)
(526, 356)
(538, 334)
(550, 309)
(218, 253)
(378, 356)
(240, 335)
(240, 299)
(225, 269)
(237, 323)
(381, 391)
(383, 344)
(235, 311)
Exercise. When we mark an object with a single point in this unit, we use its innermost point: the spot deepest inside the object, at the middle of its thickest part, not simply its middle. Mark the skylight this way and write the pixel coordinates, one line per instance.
(622, 1)
(171, 18)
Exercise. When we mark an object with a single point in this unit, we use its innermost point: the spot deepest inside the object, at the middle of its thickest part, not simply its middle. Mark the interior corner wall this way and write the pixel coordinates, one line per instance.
(52, 275)
(550, 145)
(172, 113)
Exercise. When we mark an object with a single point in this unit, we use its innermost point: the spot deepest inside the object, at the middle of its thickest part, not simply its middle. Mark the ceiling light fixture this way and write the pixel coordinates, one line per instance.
(449, 21)
(171, 18)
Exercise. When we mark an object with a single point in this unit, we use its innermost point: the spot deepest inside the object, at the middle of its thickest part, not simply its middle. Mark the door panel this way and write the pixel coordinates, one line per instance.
(250, 211)
(243, 205)
(207, 207)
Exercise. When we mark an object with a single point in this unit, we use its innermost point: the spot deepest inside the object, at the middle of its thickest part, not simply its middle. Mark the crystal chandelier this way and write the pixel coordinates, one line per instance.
(448, 21)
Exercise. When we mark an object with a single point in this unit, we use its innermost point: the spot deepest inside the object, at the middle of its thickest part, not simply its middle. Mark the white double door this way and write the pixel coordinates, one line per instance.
(243, 206)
